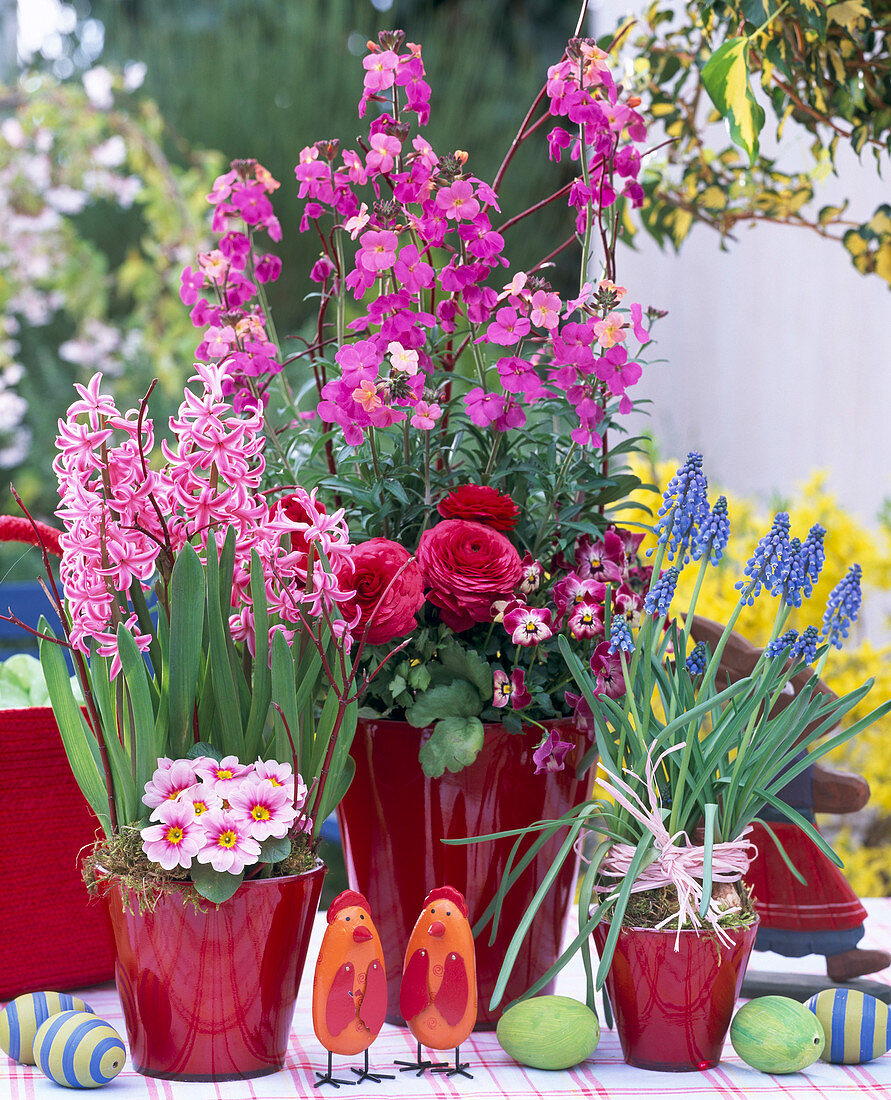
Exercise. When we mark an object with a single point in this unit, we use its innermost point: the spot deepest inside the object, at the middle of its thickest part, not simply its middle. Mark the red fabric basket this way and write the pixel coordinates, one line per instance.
(52, 935)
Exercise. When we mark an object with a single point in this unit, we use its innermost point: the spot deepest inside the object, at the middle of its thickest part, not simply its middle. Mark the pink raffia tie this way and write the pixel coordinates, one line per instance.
(680, 866)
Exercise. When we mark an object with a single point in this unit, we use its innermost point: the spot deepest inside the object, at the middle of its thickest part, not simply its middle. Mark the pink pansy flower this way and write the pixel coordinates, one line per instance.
(169, 781)
(228, 844)
(529, 625)
(601, 559)
(262, 808)
(550, 754)
(532, 574)
(224, 775)
(177, 839)
(607, 667)
(586, 620)
(511, 689)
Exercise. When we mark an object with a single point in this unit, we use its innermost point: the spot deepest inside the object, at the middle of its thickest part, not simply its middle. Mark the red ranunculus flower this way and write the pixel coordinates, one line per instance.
(375, 563)
(480, 503)
(467, 566)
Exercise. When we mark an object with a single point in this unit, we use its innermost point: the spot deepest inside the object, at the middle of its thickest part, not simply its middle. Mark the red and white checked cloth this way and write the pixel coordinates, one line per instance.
(494, 1074)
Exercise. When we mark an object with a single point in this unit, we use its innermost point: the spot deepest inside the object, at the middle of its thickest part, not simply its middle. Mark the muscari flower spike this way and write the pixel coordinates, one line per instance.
(842, 607)
(713, 535)
(796, 577)
(620, 636)
(769, 565)
(812, 558)
(806, 646)
(696, 661)
(776, 647)
(684, 508)
(659, 598)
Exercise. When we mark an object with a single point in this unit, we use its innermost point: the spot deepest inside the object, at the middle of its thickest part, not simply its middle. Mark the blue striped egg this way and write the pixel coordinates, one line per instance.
(22, 1017)
(857, 1026)
(78, 1050)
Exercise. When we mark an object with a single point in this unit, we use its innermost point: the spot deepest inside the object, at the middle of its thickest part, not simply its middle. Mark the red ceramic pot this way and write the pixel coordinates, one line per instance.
(673, 1008)
(209, 995)
(394, 817)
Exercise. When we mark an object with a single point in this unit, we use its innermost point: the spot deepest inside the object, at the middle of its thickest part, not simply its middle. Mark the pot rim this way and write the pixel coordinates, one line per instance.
(707, 930)
(109, 881)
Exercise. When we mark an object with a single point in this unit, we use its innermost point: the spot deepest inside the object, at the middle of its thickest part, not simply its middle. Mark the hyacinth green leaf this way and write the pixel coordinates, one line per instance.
(708, 849)
(220, 667)
(793, 870)
(187, 598)
(725, 77)
(335, 789)
(453, 744)
(147, 749)
(284, 693)
(77, 738)
(216, 886)
(260, 686)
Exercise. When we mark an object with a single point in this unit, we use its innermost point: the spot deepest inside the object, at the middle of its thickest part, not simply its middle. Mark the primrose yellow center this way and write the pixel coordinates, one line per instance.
(260, 813)
(224, 773)
(174, 835)
(227, 839)
(274, 782)
(174, 795)
(200, 808)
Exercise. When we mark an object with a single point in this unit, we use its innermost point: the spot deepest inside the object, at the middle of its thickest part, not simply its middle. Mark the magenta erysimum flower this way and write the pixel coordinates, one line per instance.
(529, 625)
(263, 809)
(511, 689)
(551, 753)
(228, 844)
(177, 839)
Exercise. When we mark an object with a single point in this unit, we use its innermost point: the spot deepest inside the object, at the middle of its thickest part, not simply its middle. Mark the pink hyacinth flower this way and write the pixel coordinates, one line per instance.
(228, 844)
(177, 839)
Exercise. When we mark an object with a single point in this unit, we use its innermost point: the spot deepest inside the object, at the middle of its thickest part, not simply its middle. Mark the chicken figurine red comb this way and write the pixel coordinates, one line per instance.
(349, 989)
(438, 997)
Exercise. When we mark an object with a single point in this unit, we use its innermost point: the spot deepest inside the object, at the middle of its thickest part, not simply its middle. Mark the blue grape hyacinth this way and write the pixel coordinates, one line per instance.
(842, 607)
(620, 636)
(696, 661)
(806, 646)
(769, 565)
(776, 647)
(684, 508)
(713, 535)
(658, 600)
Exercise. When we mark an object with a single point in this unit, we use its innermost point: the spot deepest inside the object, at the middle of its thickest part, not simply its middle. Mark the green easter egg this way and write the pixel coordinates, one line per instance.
(777, 1035)
(857, 1026)
(549, 1032)
(78, 1050)
(22, 1017)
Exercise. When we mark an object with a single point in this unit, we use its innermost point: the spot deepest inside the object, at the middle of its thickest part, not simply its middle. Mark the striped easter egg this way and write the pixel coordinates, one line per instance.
(857, 1026)
(22, 1017)
(78, 1050)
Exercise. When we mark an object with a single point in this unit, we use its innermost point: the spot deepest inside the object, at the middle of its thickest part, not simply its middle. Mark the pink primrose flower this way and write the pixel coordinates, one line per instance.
(228, 844)
(177, 839)
(529, 625)
(224, 775)
(282, 775)
(201, 796)
(169, 781)
(262, 809)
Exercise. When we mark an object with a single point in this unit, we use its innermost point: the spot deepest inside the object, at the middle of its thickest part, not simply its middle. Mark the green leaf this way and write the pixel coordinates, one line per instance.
(186, 631)
(203, 748)
(453, 744)
(260, 686)
(222, 673)
(468, 665)
(725, 77)
(146, 747)
(273, 850)
(216, 886)
(456, 700)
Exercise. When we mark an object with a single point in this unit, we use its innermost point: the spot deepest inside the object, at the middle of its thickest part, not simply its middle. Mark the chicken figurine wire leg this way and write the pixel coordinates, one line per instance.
(438, 996)
(349, 989)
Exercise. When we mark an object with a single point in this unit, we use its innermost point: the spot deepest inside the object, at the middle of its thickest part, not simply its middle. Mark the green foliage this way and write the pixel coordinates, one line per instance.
(452, 745)
(823, 68)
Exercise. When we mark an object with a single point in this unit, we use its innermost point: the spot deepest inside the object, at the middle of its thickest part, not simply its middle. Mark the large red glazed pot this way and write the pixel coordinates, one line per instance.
(209, 995)
(673, 1008)
(394, 817)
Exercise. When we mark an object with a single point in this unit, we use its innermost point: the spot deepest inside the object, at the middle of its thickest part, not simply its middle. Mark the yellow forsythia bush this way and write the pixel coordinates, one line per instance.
(867, 856)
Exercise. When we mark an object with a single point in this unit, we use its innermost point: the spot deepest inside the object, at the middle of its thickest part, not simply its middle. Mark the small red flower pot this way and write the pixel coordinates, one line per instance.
(208, 994)
(393, 818)
(673, 1008)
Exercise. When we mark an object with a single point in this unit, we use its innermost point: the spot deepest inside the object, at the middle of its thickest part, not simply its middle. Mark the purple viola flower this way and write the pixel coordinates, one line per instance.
(551, 753)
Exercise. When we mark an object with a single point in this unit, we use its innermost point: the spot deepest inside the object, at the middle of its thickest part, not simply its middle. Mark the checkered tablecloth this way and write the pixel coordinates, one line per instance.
(494, 1073)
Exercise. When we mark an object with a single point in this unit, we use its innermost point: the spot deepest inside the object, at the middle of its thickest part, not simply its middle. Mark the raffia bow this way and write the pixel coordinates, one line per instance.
(681, 866)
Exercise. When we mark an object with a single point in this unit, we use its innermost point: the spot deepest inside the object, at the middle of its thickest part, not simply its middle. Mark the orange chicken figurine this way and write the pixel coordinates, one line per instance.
(438, 996)
(349, 989)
